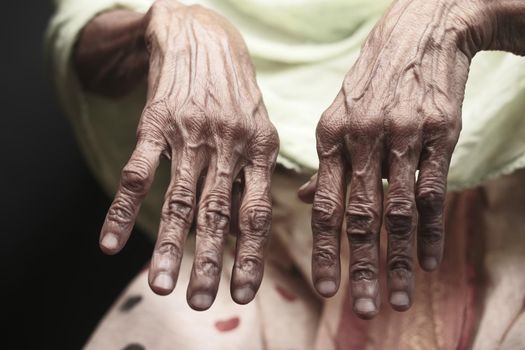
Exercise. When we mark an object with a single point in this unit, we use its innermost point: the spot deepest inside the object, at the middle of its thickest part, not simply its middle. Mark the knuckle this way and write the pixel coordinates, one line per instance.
(430, 195)
(363, 271)
(179, 205)
(443, 125)
(399, 218)
(361, 226)
(207, 264)
(135, 177)
(256, 219)
(363, 274)
(216, 214)
(400, 263)
(171, 247)
(329, 131)
(327, 126)
(326, 213)
(120, 211)
(324, 255)
(248, 262)
(267, 139)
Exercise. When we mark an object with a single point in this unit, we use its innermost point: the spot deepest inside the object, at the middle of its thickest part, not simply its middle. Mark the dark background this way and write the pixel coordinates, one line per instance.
(56, 283)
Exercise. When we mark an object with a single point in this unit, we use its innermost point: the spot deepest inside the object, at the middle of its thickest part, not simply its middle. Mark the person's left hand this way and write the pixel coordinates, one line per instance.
(399, 110)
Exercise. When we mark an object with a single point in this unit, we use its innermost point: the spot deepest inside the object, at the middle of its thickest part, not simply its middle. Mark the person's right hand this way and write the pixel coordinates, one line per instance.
(205, 113)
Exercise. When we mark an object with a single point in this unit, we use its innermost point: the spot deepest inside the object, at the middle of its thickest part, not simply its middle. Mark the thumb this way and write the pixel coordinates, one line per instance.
(306, 192)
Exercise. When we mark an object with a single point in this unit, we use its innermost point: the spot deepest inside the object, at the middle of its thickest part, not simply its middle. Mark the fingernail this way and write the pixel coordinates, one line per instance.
(326, 287)
(243, 295)
(164, 282)
(399, 299)
(365, 306)
(430, 263)
(201, 301)
(109, 241)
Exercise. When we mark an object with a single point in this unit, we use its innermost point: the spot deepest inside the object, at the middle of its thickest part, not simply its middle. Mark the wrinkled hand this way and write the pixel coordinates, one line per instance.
(205, 113)
(399, 110)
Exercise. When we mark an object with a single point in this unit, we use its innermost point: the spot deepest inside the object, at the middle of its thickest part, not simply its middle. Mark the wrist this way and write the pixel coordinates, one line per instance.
(473, 25)
(493, 25)
(447, 24)
(508, 18)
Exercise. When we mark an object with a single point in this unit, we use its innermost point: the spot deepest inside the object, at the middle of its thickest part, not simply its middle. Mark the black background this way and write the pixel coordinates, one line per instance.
(56, 283)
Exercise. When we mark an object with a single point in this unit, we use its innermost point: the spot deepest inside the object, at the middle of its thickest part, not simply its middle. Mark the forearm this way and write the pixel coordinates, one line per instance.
(111, 56)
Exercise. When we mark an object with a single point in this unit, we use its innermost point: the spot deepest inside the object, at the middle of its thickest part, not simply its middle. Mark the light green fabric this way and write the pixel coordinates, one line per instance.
(302, 50)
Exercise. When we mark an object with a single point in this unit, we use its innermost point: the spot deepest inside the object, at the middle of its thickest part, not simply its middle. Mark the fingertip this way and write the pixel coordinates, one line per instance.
(246, 279)
(365, 308)
(200, 301)
(109, 243)
(306, 192)
(326, 287)
(429, 263)
(162, 284)
(400, 300)
(243, 295)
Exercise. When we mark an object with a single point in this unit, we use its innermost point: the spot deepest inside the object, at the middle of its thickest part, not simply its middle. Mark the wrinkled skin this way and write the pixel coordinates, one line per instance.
(204, 112)
(399, 110)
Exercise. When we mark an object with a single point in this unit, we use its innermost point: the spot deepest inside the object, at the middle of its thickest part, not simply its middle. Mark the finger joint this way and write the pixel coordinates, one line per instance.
(216, 215)
(121, 211)
(179, 205)
(135, 178)
(256, 219)
(326, 213)
(207, 265)
(399, 218)
(361, 224)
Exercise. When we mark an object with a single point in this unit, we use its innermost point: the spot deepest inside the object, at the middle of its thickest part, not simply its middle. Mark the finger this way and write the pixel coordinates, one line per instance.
(431, 191)
(176, 219)
(135, 182)
(329, 197)
(401, 217)
(255, 219)
(213, 224)
(327, 218)
(363, 217)
(307, 191)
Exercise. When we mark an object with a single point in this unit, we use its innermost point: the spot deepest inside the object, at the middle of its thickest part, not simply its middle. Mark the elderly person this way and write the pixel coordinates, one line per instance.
(185, 76)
